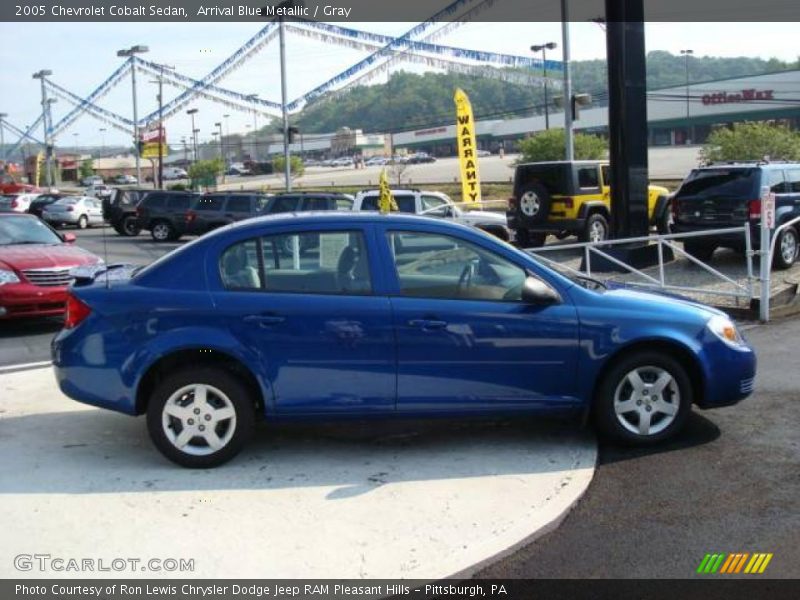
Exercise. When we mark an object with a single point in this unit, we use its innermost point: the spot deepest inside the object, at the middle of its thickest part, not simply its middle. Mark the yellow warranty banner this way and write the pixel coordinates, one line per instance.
(467, 158)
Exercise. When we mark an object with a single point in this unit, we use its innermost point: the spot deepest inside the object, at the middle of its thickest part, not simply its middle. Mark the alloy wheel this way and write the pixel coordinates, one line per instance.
(530, 204)
(788, 247)
(198, 419)
(647, 400)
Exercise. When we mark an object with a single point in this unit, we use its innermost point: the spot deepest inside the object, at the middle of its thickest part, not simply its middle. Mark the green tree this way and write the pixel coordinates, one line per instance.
(86, 169)
(551, 145)
(752, 141)
(296, 166)
(205, 172)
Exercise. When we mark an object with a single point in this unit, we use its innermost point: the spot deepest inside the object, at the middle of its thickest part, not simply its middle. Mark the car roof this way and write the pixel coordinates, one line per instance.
(563, 163)
(749, 165)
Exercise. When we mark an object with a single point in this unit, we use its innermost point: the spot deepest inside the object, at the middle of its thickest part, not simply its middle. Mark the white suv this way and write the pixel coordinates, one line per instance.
(437, 204)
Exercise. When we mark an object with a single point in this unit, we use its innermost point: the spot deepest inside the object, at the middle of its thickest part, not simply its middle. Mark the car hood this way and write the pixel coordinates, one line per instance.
(42, 256)
(663, 304)
(483, 216)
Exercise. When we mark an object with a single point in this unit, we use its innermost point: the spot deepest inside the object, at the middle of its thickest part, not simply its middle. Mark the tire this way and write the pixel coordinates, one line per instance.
(702, 251)
(173, 409)
(664, 222)
(83, 222)
(595, 230)
(786, 249)
(162, 231)
(533, 205)
(634, 417)
(130, 226)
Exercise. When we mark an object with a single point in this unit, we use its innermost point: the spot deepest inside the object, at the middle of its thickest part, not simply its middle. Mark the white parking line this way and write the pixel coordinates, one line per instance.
(25, 366)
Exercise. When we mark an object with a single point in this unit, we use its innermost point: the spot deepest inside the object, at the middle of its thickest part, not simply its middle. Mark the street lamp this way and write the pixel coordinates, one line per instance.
(42, 77)
(102, 141)
(194, 133)
(192, 112)
(131, 53)
(221, 152)
(75, 135)
(2, 137)
(686, 54)
(253, 98)
(543, 48)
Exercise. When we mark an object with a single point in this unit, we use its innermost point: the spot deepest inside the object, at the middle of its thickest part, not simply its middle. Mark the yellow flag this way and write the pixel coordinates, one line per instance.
(385, 200)
(467, 150)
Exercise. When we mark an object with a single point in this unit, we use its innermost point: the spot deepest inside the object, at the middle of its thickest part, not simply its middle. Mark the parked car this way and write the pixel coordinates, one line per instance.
(729, 195)
(125, 179)
(296, 202)
(223, 208)
(483, 153)
(448, 322)
(238, 169)
(343, 162)
(80, 211)
(16, 202)
(10, 185)
(92, 180)
(35, 264)
(163, 214)
(99, 190)
(420, 158)
(437, 204)
(571, 198)
(175, 173)
(38, 204)
(119, 210)
(376, 161)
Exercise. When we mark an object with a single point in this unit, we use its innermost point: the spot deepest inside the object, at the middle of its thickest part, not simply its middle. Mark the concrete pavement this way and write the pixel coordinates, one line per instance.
(423, 500)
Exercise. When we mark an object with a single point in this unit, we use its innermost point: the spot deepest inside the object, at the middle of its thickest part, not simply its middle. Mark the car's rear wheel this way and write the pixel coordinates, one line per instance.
(130, 226)
(161, 231)
(200, 417)
(786, 249)
(534, 203)
(596, 229)
(702, 251)
(644, 398)
(83, 222)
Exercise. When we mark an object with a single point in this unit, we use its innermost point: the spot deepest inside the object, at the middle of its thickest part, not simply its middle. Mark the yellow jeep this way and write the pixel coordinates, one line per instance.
(571, 198)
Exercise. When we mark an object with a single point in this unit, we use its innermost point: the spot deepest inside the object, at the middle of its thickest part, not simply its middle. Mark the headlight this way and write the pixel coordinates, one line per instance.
(8, 277)
(724, 329)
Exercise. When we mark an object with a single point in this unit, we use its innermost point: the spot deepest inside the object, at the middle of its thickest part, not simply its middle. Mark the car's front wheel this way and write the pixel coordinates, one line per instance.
(644, 398)
(200, 417)
(595, 230)
(786, 249)
(83, 222)
(162, 231)
(130, 226)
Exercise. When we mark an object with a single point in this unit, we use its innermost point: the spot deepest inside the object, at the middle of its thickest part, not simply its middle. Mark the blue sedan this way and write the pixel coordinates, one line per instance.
(381, 316)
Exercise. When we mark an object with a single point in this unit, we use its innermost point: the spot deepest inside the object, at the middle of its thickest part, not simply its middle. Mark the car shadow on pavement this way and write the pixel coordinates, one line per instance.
(23, 327)
(94, 451)
(698, 431)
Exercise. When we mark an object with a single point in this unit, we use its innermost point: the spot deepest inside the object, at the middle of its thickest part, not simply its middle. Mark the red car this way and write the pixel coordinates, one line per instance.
(35, 264)
(9, 185)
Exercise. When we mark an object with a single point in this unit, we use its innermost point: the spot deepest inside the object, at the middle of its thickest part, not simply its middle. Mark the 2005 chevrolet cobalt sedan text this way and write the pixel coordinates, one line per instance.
(381, 316)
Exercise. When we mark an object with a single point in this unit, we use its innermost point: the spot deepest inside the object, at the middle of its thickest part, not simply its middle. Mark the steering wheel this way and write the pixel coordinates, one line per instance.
(465, 279)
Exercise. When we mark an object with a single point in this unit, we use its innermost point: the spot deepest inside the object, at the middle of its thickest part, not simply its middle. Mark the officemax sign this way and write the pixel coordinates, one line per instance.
(743, 96)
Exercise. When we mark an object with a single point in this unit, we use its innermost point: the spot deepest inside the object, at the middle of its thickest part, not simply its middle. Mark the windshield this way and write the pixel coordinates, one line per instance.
(25, 230)
(709, 183)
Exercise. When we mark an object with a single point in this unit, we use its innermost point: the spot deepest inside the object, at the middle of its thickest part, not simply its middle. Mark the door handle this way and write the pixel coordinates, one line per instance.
(264, 320)
(427, 324)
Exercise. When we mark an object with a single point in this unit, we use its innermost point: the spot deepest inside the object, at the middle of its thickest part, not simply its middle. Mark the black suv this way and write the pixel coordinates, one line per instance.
(729, 195)
(37, 204)
(222, 208)
(119, 210)
(164, 214)
(307, 201)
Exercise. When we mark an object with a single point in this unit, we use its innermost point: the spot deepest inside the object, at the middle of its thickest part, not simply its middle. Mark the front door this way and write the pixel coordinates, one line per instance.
(466, 341)
(325, 342)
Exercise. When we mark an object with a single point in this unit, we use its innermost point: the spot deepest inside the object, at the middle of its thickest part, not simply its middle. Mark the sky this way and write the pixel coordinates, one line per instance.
(82, 55)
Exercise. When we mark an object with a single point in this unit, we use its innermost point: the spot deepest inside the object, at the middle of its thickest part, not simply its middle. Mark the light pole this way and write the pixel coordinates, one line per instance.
(253, 98)
(686, 54)
(102, 141)
(192, 112)
(42, 77)
(569, 154)
(221, 151)
(75, 135)
(131, 53)
(543, 48)
(227, 139)
(287, 167)
(2, 135)
(161, 140)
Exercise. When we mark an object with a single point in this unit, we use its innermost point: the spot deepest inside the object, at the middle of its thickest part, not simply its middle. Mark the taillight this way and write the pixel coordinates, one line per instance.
(755, 209)
(512, 203)
(77, 311)
(70, 208)
(190, 216)
(568, 202)
(14, 203)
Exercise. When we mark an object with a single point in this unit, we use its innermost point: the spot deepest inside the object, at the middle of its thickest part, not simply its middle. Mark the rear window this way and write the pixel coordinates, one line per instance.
(555, 178)
(716, 183)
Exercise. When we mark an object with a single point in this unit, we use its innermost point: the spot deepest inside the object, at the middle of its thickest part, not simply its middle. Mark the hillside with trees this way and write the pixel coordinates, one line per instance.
(414, 101)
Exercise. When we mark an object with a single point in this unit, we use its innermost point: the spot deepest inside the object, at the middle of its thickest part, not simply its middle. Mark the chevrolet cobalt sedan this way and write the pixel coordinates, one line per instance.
(387, 316)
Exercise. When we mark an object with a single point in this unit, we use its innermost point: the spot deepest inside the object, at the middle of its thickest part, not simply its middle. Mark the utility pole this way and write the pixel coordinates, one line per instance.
(686, 54)
(568, 101)
(287, 166)
(42, 77)
(221, 151)
(2, 134)
(161, 140)
(102, 141)
(131, 54)
(543, 48)
(252, 98)
(192, 112)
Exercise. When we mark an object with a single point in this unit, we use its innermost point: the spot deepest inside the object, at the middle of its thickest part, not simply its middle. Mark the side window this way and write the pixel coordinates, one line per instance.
(239, 267)
(181, 202)
(156, 201)
(209, 203)
(434, 206)
(587, 177)
(793, 181)
(776, 182)
(405, 203)
(440, 266)
(316, 204)
(238, 204)
(283, 204)
(261, 202)
(330, 262)
(343, 203)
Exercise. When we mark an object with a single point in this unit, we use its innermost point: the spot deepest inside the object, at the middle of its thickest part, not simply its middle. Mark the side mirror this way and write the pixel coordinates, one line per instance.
(535, 291)
(69, 238)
